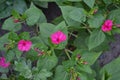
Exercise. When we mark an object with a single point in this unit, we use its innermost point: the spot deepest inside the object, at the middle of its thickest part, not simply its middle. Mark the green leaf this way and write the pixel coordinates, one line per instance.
(78, 15)
(15, 14)
(36, 39)
(10, 55)
(20, 6)
(2, 1)
(13, 36)
(47, 0)
(17, 53)
(88, 56)
(2, 5)
(41, 4)
(104, 45)
(83, 76)
(24, 35)
(23, 68)
(47, 62)
(6, 12)
(3, 40)
(42, 75)
(20, 78)
(96, 21)
(61, 74)
(61, 26)
(116, 31)
(32, 55)
(23, 17)
(41, 46)
(95, 39)
(57, 20)
(114, 15)
(10, 25)
(112, 69)
(4, 77)
(75, 0)
(4, 70)
(65, 12)
(90, 3)
(38, 43)
(68, 64)
(34, 15)
(80, 41)
(107, 2)
(46, 29)
(84, 68)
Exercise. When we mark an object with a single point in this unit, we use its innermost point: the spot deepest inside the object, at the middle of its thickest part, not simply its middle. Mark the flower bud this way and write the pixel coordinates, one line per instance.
(16, 20)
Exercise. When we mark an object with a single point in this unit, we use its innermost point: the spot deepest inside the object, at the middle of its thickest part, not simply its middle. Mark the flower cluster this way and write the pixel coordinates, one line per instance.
(56, 38)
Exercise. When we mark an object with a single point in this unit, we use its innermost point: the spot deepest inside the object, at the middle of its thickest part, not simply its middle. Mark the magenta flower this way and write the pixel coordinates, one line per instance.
(58, 37)
(24, 45)
(107, 26)
(3, 63)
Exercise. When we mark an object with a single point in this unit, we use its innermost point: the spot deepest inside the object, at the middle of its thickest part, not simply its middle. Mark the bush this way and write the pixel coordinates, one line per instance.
(68, 48)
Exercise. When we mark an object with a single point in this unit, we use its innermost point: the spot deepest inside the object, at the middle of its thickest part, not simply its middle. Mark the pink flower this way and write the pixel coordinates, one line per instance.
(107, 26)
(3, 63)
(24, 45)
(58, 37)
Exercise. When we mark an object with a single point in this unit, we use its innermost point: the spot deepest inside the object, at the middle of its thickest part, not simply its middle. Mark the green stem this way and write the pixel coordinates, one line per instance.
(69, 51)
(87, 28)
(116, 6)
(73, 34)
(37, 29)
(66, 51)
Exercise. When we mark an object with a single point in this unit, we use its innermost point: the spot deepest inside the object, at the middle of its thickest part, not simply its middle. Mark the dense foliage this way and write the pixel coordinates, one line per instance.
(68, 48)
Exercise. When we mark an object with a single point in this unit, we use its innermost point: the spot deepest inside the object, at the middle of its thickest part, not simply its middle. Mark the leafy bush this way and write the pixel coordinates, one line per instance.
(68, 48)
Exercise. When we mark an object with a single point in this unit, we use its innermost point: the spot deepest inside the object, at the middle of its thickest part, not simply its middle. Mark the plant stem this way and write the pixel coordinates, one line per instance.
(66, 51)
(116, 6)
(73, 34)
(37, 29)
(69, 51)
(87, 28)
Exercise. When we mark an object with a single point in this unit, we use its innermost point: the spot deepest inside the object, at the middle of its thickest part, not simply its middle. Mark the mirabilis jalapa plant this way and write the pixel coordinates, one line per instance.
(68, 48)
